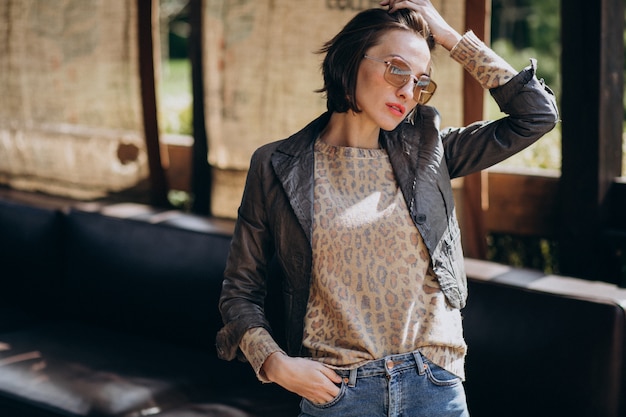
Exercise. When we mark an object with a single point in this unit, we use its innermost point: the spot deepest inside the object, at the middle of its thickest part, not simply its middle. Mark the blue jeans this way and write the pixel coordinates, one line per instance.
(406, 385)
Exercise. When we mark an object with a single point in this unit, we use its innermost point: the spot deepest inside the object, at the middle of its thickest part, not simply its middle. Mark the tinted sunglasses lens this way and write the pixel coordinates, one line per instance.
(427, 91)
(398, 73)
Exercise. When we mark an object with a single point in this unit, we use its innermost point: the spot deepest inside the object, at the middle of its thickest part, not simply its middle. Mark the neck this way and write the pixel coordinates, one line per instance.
(347, 129)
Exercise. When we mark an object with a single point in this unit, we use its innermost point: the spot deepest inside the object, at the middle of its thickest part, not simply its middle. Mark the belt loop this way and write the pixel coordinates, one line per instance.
(352, 378)
(421, 366)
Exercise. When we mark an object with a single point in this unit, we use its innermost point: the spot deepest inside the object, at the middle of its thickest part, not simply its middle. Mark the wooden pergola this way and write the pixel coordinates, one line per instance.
(583, 209)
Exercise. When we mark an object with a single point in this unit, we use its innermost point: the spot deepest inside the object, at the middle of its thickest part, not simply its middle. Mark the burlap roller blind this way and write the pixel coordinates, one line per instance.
(70, 118)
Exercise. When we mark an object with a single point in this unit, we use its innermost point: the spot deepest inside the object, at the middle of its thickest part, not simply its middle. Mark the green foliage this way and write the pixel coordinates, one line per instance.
(175, 105)
(548, 61)
(544, 27)
(523, 252)
(536, 34)
(526, 29)
(180, 199)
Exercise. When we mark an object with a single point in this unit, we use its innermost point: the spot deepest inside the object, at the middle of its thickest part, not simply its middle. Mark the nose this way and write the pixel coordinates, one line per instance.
(407, 90)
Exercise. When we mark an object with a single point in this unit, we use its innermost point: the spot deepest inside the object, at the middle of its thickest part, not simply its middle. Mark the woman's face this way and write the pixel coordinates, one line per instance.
(380, 102)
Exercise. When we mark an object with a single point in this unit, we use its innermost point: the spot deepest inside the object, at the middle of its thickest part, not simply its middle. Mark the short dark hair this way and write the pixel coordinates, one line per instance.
(345, 51)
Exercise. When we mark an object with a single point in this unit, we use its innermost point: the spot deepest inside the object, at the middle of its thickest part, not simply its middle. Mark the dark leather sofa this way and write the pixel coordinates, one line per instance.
(111, 310)
(543, 345)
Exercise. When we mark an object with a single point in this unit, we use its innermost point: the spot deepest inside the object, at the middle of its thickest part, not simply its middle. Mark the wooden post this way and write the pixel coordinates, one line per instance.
(201, 177)
(146, 21)
(591, 110)
(474, 234)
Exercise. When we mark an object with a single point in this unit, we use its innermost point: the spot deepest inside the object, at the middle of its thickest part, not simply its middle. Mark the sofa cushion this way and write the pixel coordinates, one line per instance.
(85, 371)
(144, 277)
(15, 317)
(31, 255)
(206, 410)
(79, 370)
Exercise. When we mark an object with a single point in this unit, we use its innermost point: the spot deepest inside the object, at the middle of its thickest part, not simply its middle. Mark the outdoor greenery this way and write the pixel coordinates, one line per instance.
(175, 102)
(531, 28)
(175, 93)
(523, 29)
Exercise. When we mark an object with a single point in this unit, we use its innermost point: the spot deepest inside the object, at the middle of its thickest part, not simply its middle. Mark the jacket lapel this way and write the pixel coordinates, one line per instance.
(403, 155)
(293, 162)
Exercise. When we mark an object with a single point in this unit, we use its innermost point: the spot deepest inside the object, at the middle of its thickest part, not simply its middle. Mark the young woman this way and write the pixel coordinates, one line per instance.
(358, 210)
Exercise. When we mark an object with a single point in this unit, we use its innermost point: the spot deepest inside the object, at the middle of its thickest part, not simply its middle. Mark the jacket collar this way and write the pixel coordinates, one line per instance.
(293, 163)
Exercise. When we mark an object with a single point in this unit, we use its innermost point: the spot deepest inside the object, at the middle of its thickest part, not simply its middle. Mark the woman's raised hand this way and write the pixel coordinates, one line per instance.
(444, 34)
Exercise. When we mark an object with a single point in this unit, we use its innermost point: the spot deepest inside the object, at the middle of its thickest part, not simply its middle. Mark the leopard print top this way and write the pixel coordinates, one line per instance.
(373, 293)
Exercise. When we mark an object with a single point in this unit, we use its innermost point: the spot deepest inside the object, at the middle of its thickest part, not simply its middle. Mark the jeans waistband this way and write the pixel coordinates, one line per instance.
(386, 366)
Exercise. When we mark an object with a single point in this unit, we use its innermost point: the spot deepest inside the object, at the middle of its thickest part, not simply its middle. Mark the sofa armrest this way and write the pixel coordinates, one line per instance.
(543, 345)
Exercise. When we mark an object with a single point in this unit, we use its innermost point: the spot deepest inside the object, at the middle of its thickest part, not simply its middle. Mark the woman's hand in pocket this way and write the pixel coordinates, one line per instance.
(307, 378)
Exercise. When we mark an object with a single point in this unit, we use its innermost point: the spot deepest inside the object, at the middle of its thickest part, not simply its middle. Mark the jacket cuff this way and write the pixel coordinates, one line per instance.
(524, 80)
(257, 345)
(229, 337)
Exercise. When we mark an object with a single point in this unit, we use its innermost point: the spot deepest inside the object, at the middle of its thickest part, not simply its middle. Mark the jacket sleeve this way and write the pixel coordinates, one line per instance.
(531, 111)
(244, 287)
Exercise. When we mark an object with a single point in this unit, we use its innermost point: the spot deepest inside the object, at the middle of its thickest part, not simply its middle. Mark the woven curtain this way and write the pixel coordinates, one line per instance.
(70, 113)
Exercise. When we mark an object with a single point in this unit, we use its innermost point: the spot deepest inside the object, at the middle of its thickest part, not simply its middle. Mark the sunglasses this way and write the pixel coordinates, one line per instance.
(398, 73)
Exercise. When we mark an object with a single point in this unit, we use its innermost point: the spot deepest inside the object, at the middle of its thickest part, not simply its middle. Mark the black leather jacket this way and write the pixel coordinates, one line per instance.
(275, 216)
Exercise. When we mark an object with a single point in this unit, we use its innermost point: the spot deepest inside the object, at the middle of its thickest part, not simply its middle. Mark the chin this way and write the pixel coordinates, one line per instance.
(389, 126)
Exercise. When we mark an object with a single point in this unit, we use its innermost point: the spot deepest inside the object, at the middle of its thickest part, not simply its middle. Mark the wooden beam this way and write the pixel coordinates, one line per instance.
(591, 110)
(146, 21)
(523, 203)
(617, 213)
(474, 236)
(201, 177)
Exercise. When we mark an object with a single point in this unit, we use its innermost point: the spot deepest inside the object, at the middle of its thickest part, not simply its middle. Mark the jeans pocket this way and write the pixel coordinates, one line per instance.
(439, 376)
(334, 401)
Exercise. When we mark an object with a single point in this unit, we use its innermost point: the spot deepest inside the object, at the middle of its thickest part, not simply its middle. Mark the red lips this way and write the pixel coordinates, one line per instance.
(397, 108)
